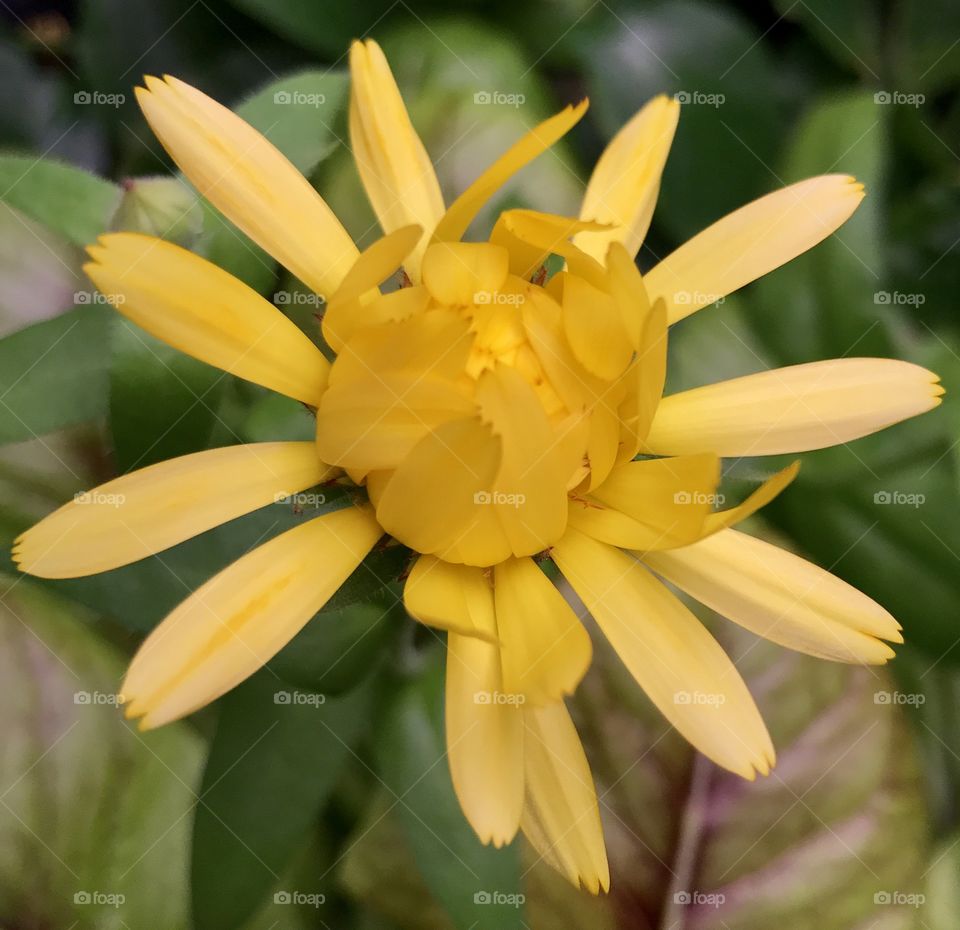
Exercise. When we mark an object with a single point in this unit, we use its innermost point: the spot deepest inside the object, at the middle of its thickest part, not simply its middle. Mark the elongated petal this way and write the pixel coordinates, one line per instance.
(545, 648)
(762, 496)
(159, 506)
(199, 309)
(462, 211)
(438, 489)
(625, 183)
(652, 504)
(345, 309)
(451, 597)
(560, 813)
(752, 241)
(484, 740)
(242, 617)
(780, 596)
(250, 182)
(793, 409)
(670, 653)
(394, 166)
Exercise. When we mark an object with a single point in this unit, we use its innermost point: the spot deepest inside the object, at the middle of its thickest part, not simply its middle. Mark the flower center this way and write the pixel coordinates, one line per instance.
(462, 404)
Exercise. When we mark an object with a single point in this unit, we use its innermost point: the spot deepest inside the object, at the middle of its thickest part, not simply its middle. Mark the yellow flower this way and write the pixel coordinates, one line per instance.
(493, 416)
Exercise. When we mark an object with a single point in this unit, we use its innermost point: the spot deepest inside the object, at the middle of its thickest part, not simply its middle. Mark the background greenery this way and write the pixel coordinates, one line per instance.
(340, 814)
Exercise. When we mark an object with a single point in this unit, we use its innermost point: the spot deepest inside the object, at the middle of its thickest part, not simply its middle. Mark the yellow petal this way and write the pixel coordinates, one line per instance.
(595, 329)
(626, 286)
(625, 183)
(159, 506)
(462, 211)
(484, 740)
(250, 182)
(451, 597)
(645, 380)
(199, 309)
(603, 442)
(780, 596)
(345, 309)
(752, 241)
(437, 490)
(529, 493)
(544, 647)
(652, 504)
(394, 166)
(762, 496)
(240, 618)
(560, 813)
(669, 652)
(793, 409)
(532, 237)
(390, 386)
(542, 320)
(464, 273)
(547, 234)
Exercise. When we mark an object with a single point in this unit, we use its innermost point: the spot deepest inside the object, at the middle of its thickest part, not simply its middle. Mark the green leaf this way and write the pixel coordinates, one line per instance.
(39, 271)
(379, 873)
(68, 200)
(839, 820)
(922, 37)
(327, 29)
(54, 374)
(850, 31)
(276, 757)
(338, 648)
(830, 301)
(98, 813)
(162, 402)
(297, 114)
(161, 206)
(455, 866)
(901, 518)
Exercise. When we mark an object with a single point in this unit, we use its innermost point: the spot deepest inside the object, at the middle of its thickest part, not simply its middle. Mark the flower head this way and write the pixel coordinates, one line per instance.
(491, 416)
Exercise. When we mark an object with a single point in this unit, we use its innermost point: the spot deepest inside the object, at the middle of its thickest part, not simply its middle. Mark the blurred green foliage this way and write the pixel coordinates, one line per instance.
(335, 808)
